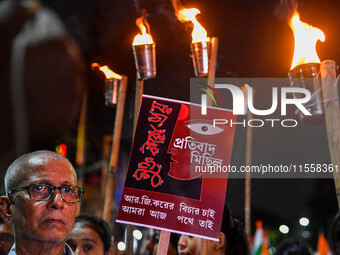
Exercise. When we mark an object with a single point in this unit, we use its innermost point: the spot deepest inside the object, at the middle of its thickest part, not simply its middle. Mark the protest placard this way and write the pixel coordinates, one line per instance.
(177, 174)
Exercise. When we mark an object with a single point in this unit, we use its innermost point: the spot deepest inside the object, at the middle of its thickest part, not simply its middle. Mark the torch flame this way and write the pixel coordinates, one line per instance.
(199, 34)
(144, 37)
(107, 71)
(305, 37)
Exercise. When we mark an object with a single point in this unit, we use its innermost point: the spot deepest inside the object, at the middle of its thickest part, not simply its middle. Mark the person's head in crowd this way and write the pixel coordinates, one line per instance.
(294, 247)
(41, 202)
(189, 245)
(90, 235)
(152, 243)
(6, 238)
(335, 235)
(232, 239)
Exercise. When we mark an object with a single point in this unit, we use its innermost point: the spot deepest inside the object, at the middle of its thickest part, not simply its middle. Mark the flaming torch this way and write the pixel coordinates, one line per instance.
(112, 83)
(115, 93)
(200, 45)
(305, 67)
(144, 51)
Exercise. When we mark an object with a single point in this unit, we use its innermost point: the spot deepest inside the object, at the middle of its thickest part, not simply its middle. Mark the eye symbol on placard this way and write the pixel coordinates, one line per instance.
(205, 128)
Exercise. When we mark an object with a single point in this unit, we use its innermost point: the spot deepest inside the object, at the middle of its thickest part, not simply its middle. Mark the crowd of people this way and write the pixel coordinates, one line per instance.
(39, 210)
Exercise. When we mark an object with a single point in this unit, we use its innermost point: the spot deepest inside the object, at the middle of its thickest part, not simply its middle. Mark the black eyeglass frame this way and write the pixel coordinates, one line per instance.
(28, 188)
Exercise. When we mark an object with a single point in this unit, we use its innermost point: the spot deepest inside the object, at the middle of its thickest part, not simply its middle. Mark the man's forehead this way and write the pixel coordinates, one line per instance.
(41, 160)
(44, 166)
(37, 160)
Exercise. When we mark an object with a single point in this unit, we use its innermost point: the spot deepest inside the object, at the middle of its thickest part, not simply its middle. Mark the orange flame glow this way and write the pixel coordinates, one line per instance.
(144, 37)
(199, 34)
(107, 71)
(305, 37)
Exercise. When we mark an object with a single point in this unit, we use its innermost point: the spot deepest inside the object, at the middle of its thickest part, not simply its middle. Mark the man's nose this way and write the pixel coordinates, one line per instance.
(56, 201)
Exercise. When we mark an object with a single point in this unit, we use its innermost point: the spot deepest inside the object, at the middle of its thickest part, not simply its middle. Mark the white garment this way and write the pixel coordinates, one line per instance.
(67, 250)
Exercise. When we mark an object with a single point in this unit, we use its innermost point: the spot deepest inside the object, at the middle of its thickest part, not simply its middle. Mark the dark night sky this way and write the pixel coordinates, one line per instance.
(254, 41)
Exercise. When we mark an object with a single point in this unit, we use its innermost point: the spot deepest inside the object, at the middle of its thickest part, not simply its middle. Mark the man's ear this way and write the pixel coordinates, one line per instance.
(5, 213)
(221, 242)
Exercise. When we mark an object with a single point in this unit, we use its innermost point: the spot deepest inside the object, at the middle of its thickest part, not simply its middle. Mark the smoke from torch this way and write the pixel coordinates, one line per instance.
(291, 6)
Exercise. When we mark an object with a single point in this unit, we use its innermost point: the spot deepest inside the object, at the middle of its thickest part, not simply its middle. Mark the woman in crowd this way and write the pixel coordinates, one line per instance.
(90, 235)
(232, 240)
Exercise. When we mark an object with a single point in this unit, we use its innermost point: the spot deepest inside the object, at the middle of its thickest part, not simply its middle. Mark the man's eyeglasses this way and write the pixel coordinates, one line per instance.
(43, 192)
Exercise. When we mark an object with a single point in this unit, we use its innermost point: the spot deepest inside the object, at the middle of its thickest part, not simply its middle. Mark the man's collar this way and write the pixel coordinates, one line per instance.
(12, 251)
(67, 250)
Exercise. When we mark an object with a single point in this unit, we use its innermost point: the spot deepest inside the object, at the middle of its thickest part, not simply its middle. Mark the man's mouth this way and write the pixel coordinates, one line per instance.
(54, 221)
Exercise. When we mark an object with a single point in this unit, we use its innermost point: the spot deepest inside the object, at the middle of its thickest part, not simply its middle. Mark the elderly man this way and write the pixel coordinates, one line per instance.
(40, 203)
